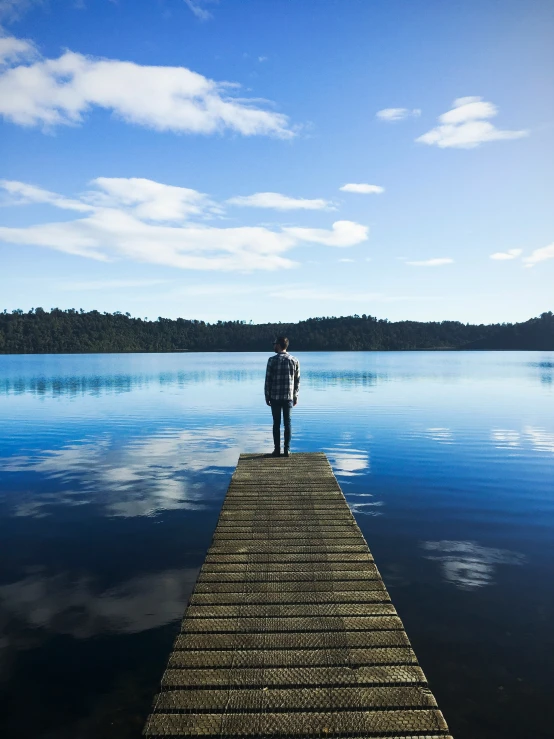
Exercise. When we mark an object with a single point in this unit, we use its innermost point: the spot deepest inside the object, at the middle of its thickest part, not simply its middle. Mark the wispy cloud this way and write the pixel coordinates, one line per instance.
(540, 255)
(363, 189)
(229, 288)
(107, 285)
(397, 114)
(278, 201)
(21, 193)
(432, 262)
(149, 222)
(293, 291)
(317, 293)
(307, 292)
(503, 255)
(197, 7)
(466, 127)
(55, 92)
(12, 10)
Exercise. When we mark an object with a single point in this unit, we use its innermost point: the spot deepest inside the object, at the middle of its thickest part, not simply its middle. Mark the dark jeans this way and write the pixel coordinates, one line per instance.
(278, 406)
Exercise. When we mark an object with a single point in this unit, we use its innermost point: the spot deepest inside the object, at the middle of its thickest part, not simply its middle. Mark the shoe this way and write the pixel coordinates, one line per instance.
(276, 453)
(286, 453)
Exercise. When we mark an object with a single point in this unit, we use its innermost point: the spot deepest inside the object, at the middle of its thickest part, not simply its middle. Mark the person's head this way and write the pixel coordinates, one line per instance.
(281, 344)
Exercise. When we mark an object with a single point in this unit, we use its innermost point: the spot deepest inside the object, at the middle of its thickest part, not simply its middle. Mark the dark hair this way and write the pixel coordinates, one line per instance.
(283, 342)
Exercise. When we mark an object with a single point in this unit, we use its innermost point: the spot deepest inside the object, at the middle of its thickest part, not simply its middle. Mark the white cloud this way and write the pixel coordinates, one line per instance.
(14, 50)
(464, 126)
(503, 255)
(397, 114)
(111, 234)
(151, 200)
(432, 262)
(279, 202)
(132, 219)
(262, 59)
(346, 260)
(53, 92)
(343, 233)
(468, 109)
(363, 188)
(540, 255)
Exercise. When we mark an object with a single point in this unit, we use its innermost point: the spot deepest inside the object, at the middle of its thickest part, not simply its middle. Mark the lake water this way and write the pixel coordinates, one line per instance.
(113, 469)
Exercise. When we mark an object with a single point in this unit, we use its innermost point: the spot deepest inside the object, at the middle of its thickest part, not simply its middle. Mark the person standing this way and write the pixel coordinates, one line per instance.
(282, 382)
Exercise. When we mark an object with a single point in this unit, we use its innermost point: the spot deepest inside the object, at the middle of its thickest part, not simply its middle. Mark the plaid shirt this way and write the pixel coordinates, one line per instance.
(282, 377)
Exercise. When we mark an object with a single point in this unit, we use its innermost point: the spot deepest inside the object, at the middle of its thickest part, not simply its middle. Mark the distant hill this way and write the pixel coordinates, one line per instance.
(76, 331)
(536, 334)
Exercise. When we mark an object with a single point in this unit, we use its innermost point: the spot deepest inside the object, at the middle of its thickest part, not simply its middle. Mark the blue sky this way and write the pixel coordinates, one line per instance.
(278, 160)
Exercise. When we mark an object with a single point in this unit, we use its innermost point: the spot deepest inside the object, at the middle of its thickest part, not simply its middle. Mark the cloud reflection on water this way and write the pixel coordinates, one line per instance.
(366, 509)
(539, 439)
(139, 478)
(75, 606)
(348, 462)
(442, 435)
(468, 565)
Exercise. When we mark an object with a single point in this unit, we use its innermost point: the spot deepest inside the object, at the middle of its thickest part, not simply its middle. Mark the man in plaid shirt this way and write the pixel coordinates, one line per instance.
(282, 382)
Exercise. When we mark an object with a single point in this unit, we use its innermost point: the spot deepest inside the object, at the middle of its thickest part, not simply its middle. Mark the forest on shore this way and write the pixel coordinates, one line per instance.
(77, 331)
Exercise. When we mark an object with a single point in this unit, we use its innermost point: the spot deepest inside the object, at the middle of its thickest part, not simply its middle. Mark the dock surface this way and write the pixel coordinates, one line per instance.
(290, 631)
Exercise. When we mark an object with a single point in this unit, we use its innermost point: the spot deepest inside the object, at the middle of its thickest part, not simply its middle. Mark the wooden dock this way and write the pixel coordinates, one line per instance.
(290, 631)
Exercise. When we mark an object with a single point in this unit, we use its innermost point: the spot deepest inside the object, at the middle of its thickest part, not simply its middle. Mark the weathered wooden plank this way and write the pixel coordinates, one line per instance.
(330, 723)
(294, 676)
(303, 588)
(321, 657)
(226, 597)
(293, 641)
(279, 699)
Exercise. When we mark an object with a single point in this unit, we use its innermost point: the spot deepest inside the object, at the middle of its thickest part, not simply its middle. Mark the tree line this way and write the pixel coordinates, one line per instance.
(77, 331)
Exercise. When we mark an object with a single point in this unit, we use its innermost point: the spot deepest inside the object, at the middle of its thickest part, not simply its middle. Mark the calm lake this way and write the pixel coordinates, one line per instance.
(113, 469)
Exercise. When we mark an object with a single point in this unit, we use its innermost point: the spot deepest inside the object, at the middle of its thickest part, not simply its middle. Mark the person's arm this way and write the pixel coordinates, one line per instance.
(296, 382)
(268, 378)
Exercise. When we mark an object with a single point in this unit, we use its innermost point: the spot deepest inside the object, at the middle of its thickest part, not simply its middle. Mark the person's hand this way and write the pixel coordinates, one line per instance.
(295, 401)
(268, 402)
